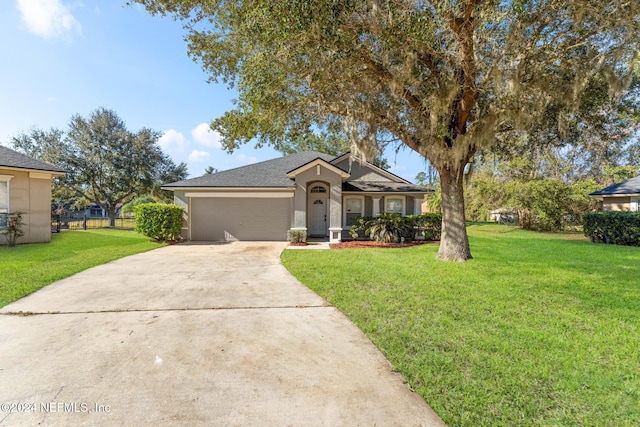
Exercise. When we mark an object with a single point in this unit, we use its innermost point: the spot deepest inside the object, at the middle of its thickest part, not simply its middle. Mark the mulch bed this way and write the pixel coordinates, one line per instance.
(372, 244)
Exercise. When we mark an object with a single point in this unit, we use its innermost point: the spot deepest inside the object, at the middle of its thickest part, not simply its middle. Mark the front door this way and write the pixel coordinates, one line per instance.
(317, 211)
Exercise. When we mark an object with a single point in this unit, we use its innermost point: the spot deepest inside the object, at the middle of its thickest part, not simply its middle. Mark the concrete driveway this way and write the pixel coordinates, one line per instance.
(217, 334)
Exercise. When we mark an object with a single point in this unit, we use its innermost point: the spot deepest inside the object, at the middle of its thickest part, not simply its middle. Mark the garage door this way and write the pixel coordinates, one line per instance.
(240, 218)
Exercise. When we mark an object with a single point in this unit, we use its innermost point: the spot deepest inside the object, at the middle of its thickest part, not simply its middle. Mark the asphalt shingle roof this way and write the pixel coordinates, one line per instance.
(383, 186)
(13, 159)
(630, 186)
(270, 173)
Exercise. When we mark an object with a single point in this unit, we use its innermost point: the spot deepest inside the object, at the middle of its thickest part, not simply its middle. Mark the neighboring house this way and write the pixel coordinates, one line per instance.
(310, 191)
(96, 211)
(25, 186)
(623, 196)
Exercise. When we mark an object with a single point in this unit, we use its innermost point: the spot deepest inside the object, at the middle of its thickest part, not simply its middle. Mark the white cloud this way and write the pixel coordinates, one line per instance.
(48, 18)
(172, 141)
(198, 156)
(202, 134)
(246, 160)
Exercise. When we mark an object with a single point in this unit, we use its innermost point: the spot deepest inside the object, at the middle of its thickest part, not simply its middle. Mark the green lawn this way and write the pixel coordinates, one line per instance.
(27, 268)
(537, 329)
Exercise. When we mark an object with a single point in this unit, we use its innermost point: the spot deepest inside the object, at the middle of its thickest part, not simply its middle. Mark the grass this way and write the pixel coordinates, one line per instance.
(537, 329)
(26, 268)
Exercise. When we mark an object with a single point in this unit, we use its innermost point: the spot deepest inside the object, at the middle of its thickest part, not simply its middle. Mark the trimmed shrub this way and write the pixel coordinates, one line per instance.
(430, 225)
(297, 236)
(618, 228)
(159, 221)
(130, 207)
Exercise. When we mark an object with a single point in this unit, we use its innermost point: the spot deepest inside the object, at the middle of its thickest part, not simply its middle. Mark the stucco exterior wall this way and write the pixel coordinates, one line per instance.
(30, 193)
(333, 181)
(368, 206)
(409, 206)
(616, 203)
(180, 199)
(300, 206)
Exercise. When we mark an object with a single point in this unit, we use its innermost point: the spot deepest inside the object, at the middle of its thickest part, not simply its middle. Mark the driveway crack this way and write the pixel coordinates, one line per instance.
(151, 310)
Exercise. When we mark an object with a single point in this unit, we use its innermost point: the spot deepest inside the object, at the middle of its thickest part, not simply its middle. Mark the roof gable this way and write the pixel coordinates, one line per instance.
(12, 159)
(346, 163)
(318, 162)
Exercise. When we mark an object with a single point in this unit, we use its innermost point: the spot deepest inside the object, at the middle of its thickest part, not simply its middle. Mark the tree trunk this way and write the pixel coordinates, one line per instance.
(454, 242)
(111, 214)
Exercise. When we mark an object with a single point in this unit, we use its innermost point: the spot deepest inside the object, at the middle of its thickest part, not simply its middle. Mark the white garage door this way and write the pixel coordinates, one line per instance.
(240, 218)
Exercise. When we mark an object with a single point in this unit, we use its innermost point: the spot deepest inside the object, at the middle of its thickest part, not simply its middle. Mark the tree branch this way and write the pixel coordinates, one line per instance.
(386, 76)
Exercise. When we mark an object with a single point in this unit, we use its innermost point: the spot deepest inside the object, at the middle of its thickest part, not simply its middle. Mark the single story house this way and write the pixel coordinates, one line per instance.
(311, 191)
(623, 196)
(25, 186)
(94, 210)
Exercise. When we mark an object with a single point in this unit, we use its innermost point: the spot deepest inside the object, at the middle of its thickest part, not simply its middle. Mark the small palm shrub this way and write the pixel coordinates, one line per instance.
(359, 228)
(390, 227)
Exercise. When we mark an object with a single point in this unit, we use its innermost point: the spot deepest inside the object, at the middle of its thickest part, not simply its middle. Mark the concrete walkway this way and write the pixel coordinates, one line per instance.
(217, 334)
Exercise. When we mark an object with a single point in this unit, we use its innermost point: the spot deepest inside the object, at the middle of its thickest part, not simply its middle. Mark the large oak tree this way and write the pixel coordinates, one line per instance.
(441, 77)
(106, 164)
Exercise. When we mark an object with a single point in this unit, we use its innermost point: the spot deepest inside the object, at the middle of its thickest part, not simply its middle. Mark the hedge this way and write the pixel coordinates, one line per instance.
(618, 228)
(388, 227)
(159, 221)
(430, 225)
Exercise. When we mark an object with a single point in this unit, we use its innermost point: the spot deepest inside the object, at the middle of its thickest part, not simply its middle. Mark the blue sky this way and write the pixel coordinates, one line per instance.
(66, 57)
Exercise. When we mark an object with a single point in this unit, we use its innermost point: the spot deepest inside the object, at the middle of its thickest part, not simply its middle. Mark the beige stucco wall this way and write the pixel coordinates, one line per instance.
(616, 203)
(180, 199)
(30, 193)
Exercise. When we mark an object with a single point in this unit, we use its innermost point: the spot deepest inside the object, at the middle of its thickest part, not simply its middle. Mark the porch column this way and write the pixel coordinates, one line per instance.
(376, 207)
(300, 207)
(335, 212)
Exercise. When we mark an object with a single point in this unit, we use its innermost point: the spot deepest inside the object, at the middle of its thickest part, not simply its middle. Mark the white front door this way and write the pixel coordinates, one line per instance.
(317, 211)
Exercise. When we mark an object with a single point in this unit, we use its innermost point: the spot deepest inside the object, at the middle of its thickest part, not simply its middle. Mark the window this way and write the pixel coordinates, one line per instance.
(635, 204)
(95, 211)
(4, 202)
(394, 204)
(318, 189)
(354, 208)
